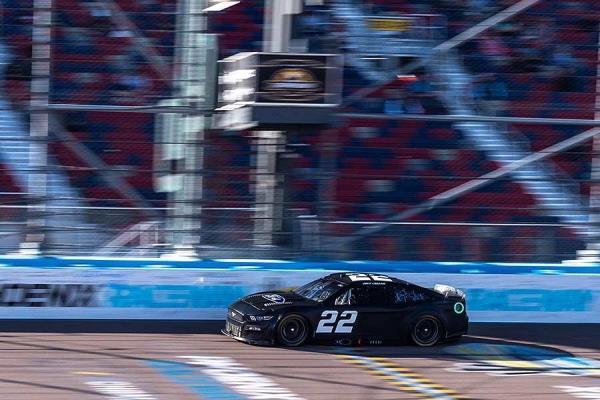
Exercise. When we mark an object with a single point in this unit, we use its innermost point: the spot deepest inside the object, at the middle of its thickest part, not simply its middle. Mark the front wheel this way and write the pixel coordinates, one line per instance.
(292, 331)
(427, 331)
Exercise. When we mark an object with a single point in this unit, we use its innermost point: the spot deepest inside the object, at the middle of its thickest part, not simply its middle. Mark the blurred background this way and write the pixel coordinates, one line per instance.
(466, 131)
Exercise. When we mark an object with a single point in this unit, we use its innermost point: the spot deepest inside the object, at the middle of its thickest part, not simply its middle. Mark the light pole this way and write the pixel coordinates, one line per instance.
(181, 143)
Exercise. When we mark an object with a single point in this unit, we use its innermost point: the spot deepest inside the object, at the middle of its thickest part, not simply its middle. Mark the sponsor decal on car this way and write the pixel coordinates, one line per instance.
(287, 303)
(274, 298)
(241, 379)
(521, 360)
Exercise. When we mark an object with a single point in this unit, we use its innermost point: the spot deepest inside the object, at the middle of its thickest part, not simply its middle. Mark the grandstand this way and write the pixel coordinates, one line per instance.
(538, 60)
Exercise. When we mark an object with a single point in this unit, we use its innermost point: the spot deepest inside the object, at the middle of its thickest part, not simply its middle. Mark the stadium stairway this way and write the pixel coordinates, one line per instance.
(16, 153)
(360, 40)
(553, 190)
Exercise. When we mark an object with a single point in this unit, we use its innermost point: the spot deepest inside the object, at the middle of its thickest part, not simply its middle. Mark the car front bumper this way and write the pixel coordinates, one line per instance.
(255, 341)
(243, 332)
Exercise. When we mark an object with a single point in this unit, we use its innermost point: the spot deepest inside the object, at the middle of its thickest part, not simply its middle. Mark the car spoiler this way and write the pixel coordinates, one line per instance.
(449, 291)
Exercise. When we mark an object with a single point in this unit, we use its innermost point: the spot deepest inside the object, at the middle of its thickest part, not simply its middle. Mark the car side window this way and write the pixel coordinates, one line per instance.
(345, 299)
(407, 295)
(363, 296)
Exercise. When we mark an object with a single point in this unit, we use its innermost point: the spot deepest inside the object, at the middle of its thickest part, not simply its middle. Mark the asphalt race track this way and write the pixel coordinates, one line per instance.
(497, 361)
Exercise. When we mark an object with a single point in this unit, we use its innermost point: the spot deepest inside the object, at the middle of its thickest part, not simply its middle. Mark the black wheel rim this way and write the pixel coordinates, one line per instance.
(293, 331)
(426, 331)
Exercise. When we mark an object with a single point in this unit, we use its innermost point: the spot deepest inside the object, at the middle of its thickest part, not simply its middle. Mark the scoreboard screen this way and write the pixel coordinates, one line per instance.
(278, 89)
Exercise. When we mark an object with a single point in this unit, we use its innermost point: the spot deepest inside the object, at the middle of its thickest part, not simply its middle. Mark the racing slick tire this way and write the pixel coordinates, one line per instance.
(426, 331)
(292, 331)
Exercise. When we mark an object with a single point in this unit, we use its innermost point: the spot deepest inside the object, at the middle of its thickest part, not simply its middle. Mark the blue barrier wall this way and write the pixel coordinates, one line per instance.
(117, 288)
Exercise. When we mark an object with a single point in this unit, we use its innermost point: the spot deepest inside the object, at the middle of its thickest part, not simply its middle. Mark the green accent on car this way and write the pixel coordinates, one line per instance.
(459, 308)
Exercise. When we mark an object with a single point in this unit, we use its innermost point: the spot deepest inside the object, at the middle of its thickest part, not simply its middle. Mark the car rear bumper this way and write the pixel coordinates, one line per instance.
(456, 325)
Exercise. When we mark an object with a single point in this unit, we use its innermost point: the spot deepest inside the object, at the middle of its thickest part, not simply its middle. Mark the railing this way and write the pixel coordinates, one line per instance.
(437, 241)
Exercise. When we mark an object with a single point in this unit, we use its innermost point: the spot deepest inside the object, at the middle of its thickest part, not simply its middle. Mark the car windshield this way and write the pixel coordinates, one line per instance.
(319, 290)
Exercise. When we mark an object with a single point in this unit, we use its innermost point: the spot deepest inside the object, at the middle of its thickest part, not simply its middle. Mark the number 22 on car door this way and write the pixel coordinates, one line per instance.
(334, 321)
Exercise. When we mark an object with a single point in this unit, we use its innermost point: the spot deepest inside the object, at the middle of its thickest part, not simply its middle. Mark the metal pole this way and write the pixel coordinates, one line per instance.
(278, 24)
(327, 169)
(270, 145)
(267, 216)
(189, 77)
(39, 125)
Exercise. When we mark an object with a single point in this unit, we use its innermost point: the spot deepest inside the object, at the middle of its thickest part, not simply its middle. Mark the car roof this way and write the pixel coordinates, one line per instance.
(344, 277)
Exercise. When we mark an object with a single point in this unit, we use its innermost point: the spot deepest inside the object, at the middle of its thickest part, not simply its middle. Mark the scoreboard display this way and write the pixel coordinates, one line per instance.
(390, 24)
(277, 89)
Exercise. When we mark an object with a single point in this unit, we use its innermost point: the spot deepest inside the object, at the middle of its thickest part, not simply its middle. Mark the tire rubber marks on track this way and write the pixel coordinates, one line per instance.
(402, 378)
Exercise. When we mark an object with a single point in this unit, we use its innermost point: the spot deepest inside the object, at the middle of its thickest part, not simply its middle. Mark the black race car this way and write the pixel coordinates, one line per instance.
(350, 309)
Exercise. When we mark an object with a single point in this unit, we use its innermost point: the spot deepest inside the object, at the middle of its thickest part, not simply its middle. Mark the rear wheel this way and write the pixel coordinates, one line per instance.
(427, 331)
(292, 331)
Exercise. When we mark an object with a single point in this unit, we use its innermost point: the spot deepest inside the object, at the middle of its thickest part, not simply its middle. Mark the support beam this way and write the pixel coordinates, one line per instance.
(486, 24)
(143, 46)
(191, 89)
(38, 148)
(269, 187)
(328, 156)
(277, 29)
(268, 217)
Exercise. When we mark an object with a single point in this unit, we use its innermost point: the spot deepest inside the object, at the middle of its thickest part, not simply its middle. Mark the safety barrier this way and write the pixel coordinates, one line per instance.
(162, 289)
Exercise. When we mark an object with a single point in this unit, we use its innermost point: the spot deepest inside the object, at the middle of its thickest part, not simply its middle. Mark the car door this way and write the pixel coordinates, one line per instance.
(359, 311)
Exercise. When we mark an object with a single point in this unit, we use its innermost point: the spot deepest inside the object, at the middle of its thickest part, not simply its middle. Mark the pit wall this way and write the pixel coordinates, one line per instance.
(165, 289)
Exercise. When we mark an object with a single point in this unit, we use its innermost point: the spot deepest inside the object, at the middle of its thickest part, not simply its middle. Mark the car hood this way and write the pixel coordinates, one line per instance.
(273, 300)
